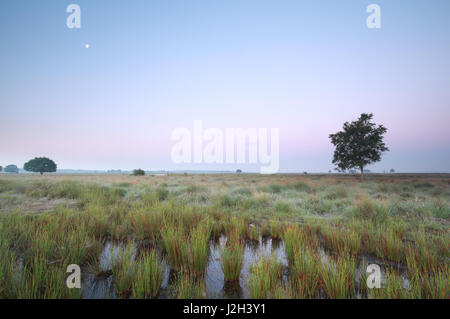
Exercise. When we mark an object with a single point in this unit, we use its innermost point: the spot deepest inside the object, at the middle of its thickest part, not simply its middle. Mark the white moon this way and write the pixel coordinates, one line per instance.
(87, 46)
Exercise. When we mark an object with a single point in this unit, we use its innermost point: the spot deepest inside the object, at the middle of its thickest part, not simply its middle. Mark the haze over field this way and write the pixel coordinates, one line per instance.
(108, 95)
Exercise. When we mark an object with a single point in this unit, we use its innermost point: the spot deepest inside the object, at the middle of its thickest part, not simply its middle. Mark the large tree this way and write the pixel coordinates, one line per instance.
(359, 144)
(40, 165)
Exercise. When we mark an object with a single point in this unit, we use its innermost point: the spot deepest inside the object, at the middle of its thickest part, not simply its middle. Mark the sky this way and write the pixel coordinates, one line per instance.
(304, 67)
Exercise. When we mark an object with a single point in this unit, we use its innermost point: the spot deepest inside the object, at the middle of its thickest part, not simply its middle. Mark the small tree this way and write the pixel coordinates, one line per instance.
(359, 144)
(138, 172)
(238, 171)
(40, 165)
(1, 168)
(11, 169)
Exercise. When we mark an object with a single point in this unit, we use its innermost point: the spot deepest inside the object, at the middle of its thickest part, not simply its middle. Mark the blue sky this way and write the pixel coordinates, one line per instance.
(304, 67)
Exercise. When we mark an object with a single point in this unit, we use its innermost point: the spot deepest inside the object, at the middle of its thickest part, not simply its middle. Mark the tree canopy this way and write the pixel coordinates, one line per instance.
(359, 144)
(11, 169)
(40, 165)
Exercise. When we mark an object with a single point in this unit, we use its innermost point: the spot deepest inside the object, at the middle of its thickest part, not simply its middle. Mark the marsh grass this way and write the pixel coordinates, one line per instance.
(264, 276)
(342, 241)
(296, 237)
(237, 229)
(276, 230)
(336, 192)
(304, 272)
(175, 244)
(217, 229)
(265, 230)
(150, 269)
(338, 277)
(428, 280)
(145, 224)
(199, 248)
(401, 220)
(254, 233)
(232, 260)
(302, 187)
(439, 209)
(282, 207)
(39, 280)
(123, 269)
(293, 239)
(188, 287)
(274, 189)
(388, 246)
(7, 267)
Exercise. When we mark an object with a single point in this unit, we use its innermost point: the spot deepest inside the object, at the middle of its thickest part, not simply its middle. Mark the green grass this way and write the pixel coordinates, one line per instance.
(305, 274)
(124, 270)
(342, 241)
(188, 287)
(199, 248)
(232, 260)
(265, 275)
(150, 271)
(175, 244)
(338, 278)
(276, 229)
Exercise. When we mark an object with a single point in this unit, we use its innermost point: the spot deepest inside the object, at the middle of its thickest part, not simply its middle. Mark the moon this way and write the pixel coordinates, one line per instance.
(87, 46)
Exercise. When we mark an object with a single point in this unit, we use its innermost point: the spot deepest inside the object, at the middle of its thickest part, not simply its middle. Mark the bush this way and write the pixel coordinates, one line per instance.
(138, 172)
(11, 169)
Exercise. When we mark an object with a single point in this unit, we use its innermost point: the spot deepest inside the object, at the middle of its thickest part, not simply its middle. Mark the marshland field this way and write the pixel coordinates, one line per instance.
(224, 236)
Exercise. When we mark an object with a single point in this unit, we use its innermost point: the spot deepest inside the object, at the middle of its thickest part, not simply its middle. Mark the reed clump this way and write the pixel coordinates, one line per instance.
(232, 260)
(150, 270)
(264, 277)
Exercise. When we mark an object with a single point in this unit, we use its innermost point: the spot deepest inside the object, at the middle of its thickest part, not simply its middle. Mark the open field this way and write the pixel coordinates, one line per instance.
(220, 236)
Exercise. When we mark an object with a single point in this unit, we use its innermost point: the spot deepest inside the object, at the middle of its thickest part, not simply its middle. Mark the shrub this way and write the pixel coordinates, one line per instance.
(138, 172)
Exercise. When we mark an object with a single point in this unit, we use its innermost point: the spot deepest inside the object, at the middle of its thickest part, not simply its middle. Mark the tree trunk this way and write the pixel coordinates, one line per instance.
(362, 172)
(41, 173)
